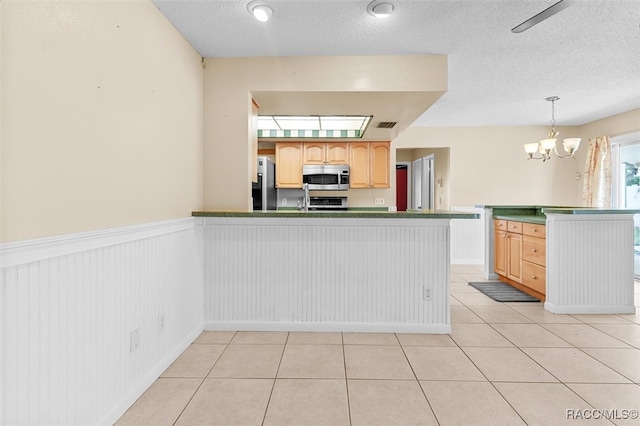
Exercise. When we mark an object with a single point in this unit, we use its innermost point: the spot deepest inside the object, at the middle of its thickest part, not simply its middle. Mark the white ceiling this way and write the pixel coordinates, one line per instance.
(588, 54)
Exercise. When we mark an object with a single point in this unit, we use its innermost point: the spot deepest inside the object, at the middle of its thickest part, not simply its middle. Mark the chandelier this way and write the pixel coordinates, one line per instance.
(548, 145)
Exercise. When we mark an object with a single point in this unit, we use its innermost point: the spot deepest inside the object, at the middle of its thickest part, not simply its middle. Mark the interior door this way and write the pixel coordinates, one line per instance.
(423, 181)
(416, 180)
(401, 188)
(427, 182)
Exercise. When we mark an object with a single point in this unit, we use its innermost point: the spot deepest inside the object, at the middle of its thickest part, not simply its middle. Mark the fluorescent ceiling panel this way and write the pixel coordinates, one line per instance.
(266, 122)
(298, 123)
(313, 122)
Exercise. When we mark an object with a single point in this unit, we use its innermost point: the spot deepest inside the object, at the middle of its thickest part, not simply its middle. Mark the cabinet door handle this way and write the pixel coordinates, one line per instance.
(534, 250)
(535, 229)
(533, 277)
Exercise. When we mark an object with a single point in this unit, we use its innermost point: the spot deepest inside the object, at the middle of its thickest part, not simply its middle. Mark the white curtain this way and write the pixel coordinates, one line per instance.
(596, 191)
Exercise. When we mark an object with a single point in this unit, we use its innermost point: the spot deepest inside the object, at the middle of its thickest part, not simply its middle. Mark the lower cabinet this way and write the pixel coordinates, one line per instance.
(508, 250)
(520, 255)
(514, 248)
(534, 257)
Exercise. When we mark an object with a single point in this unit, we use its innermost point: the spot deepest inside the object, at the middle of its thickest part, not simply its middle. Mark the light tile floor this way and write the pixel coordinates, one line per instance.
(504, 363)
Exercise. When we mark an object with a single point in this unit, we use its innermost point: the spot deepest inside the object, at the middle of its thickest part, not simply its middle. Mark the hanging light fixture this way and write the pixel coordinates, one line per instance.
(546, 146)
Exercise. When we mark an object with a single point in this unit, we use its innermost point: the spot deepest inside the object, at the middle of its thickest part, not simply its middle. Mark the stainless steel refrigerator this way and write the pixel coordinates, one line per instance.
(264, 191)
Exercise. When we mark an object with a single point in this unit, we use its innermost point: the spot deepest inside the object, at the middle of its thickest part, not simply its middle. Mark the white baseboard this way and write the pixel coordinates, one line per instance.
(589, 309)
(326, 327)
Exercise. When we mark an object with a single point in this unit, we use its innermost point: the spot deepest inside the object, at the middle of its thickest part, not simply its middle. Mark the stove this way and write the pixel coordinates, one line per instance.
(328, 203)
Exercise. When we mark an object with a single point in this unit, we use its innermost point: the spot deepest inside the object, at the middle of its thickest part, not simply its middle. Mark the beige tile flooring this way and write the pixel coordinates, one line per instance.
(503, 364)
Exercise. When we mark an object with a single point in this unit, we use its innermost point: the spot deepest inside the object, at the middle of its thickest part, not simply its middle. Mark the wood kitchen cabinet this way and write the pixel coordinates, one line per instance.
(326, 153)
(289, 165)
(369, 164)
(520, 255)
(508, 249)
(534, 257)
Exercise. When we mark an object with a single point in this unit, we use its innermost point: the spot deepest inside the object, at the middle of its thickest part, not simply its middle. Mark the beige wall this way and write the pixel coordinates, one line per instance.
(488, 164)
(101, 118)
(229, 82)
(616, 125)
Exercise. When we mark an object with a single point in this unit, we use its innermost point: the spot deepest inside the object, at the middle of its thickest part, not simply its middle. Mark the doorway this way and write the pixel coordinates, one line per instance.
(625, 183)
(402, 186)
(423, 183)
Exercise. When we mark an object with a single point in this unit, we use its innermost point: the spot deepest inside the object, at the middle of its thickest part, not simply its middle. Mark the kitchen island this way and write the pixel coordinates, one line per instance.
(581, 261)
(327, 271)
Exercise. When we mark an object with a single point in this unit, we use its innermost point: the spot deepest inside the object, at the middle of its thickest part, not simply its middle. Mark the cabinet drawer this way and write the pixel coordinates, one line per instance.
(534, 230)
(500, 224)
(515, 227)
(534, 250)
(534, 276)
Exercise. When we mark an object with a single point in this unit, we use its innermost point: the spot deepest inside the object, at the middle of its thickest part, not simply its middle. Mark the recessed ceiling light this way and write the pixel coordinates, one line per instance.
(260, 10)
(380, 9)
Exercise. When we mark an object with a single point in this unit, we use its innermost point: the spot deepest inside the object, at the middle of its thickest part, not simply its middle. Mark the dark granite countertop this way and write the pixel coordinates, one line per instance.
(537, 214)
(537, 219)
(587, 210)
(351, 214)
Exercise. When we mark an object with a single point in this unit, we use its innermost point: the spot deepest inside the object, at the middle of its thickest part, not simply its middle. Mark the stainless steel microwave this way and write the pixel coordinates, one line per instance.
(326, 177)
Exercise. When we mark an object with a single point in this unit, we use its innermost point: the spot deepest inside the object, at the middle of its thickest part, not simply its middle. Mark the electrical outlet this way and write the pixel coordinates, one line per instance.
(426, 293)
(161, 321)
(284, 201)
(134, 340)
(378, 201)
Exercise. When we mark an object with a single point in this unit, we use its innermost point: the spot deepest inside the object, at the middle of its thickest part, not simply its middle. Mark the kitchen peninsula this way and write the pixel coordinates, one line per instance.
(577, 260)
(327, 271)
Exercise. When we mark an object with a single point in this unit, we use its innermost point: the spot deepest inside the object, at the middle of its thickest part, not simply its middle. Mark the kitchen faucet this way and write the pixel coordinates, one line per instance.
(306, 200)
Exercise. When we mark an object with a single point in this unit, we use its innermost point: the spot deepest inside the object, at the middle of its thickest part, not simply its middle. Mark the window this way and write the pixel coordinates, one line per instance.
(625, 182)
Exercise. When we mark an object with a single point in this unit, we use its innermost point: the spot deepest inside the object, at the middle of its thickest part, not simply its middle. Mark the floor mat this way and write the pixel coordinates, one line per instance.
(502, 292)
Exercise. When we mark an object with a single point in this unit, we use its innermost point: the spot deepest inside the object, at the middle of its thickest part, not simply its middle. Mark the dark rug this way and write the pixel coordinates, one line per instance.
(502, 292)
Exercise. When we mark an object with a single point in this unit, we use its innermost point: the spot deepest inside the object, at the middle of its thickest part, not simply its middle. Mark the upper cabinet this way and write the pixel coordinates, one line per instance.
(368, 161)
(289, 165)
(369, 165)
(326, 153)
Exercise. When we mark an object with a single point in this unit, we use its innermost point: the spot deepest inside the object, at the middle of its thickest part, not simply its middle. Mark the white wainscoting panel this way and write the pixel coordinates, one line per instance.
(467, 238)
(590, 264)
(331, 274)
(67, 307)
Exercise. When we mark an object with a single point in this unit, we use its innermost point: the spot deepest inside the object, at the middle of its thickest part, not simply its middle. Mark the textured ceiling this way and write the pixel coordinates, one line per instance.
(588, 54)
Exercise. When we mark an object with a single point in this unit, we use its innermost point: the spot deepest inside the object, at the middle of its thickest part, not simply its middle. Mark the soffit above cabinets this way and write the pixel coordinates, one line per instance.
(401, 107)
